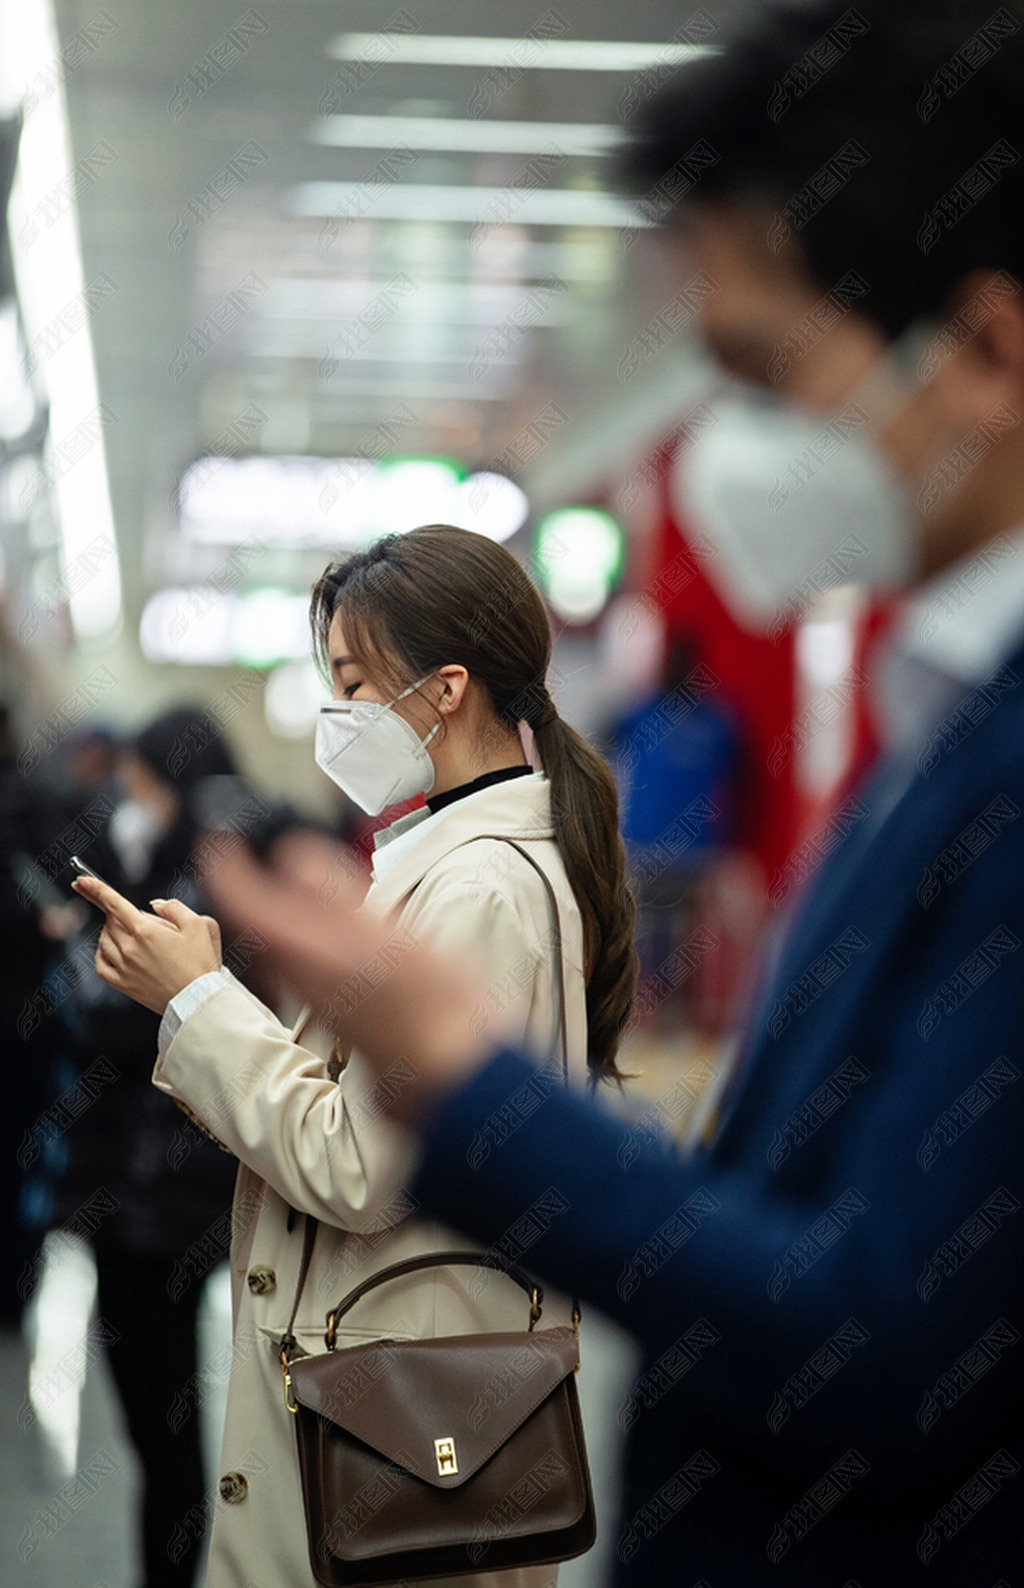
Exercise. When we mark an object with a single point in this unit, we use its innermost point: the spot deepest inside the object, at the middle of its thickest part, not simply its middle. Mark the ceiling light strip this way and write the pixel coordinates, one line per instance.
(563, 55)
(482, 206)
(46, 253)
(456, 136)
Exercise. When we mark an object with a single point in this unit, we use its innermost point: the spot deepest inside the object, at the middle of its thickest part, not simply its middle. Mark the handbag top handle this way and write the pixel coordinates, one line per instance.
(411, 1265)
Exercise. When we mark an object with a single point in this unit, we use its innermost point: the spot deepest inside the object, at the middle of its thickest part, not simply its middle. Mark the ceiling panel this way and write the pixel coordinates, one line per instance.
(305, 236)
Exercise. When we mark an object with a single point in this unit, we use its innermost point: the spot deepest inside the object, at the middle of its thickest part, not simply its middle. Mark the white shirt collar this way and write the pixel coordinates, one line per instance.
(970, 616)
(392, 844)
(952, 633)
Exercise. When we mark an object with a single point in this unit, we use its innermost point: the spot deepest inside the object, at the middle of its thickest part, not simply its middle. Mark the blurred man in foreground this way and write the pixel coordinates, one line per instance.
(830, 1295)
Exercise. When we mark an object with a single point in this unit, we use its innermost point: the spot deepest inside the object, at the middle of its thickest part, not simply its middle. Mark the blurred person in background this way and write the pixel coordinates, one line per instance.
(35, 918)
(829, 1294)
(676, 764)
(170, 1187)
(438, 646)
(91, 764)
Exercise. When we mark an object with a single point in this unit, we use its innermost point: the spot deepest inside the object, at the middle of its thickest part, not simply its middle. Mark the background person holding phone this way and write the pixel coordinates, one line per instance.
(171, 1185)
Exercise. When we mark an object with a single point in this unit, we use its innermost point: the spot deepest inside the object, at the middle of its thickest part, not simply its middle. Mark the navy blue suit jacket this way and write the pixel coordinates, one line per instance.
(830, 1299)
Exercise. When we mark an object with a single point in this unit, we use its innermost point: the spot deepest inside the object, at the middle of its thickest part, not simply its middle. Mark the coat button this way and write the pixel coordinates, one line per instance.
(261, 1280)
(234, 1486)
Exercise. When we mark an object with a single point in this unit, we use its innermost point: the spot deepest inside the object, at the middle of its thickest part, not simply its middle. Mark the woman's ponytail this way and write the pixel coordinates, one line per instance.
(585, 816)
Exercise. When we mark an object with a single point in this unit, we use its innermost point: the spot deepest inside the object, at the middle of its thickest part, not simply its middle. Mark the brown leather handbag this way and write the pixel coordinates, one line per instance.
(439, 1457)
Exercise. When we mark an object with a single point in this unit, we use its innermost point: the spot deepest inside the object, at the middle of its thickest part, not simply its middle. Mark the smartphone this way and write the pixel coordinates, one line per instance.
(86, 871)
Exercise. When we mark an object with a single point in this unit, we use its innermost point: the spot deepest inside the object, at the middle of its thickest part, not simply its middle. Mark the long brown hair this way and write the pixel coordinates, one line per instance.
(439, 595)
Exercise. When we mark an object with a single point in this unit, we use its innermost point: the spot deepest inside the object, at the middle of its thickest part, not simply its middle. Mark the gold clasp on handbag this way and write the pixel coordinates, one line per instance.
(535, 1306)
(289, 1399)
(444, 1455)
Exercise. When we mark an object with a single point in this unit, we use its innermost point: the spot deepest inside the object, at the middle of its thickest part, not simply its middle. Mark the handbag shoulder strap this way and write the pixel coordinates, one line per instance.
(446, 1259)
(289, 1344)
(310, 1228)
(556, 937)
(559, 959)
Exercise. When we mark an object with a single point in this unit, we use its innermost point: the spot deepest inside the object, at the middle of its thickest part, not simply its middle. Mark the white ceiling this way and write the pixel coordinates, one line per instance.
(269, 286)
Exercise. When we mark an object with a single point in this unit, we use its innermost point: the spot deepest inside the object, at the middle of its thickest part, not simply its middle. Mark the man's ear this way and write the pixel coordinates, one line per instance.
(978, 355)
(454, 681)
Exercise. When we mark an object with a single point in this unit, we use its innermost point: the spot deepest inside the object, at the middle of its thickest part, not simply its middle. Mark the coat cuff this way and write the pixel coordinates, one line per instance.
(188, 1002)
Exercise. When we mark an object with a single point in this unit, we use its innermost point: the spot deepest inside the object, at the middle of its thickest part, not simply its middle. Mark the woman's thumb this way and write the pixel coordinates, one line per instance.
(172, 911)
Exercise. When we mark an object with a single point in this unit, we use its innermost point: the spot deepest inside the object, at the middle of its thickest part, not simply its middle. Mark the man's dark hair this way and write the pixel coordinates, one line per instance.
(887, 135)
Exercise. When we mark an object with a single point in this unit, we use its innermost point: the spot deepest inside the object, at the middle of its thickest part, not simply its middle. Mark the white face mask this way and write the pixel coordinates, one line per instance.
(372, 753)
(136, 827)
(793, 504)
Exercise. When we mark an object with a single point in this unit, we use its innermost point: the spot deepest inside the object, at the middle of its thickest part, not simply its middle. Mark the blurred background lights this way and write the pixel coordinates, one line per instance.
(578, 555)
(269, 626)
(491, 504)
(292, 701)
(18, 407)
(561, 55)
(340, 504)
(472, 205)
(202, 626)
(411, 491)
(49, 279)
(285, 501)
(477, 137)
(181, 625)
(19, 484)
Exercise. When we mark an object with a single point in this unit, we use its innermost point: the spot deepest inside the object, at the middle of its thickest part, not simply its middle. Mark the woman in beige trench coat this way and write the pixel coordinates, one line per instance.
(444, 628)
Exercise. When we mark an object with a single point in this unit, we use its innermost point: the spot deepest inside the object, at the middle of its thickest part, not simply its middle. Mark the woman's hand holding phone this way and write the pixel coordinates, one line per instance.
(150, 957)
(420, 1011)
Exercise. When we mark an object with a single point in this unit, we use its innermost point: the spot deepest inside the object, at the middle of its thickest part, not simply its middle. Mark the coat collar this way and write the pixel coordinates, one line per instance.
(519, 809)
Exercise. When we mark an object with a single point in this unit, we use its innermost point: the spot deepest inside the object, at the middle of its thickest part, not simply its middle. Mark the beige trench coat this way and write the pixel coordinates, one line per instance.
(320, 1146)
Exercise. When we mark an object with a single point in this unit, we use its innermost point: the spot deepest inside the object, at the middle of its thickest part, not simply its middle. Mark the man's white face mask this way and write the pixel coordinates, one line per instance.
(793, 502)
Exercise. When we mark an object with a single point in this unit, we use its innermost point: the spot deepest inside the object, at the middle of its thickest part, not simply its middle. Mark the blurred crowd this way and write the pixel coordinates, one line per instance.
(90, 1148)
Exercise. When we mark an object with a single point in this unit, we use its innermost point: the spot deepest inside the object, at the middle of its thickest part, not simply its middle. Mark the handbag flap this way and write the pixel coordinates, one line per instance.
(439, 1408)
